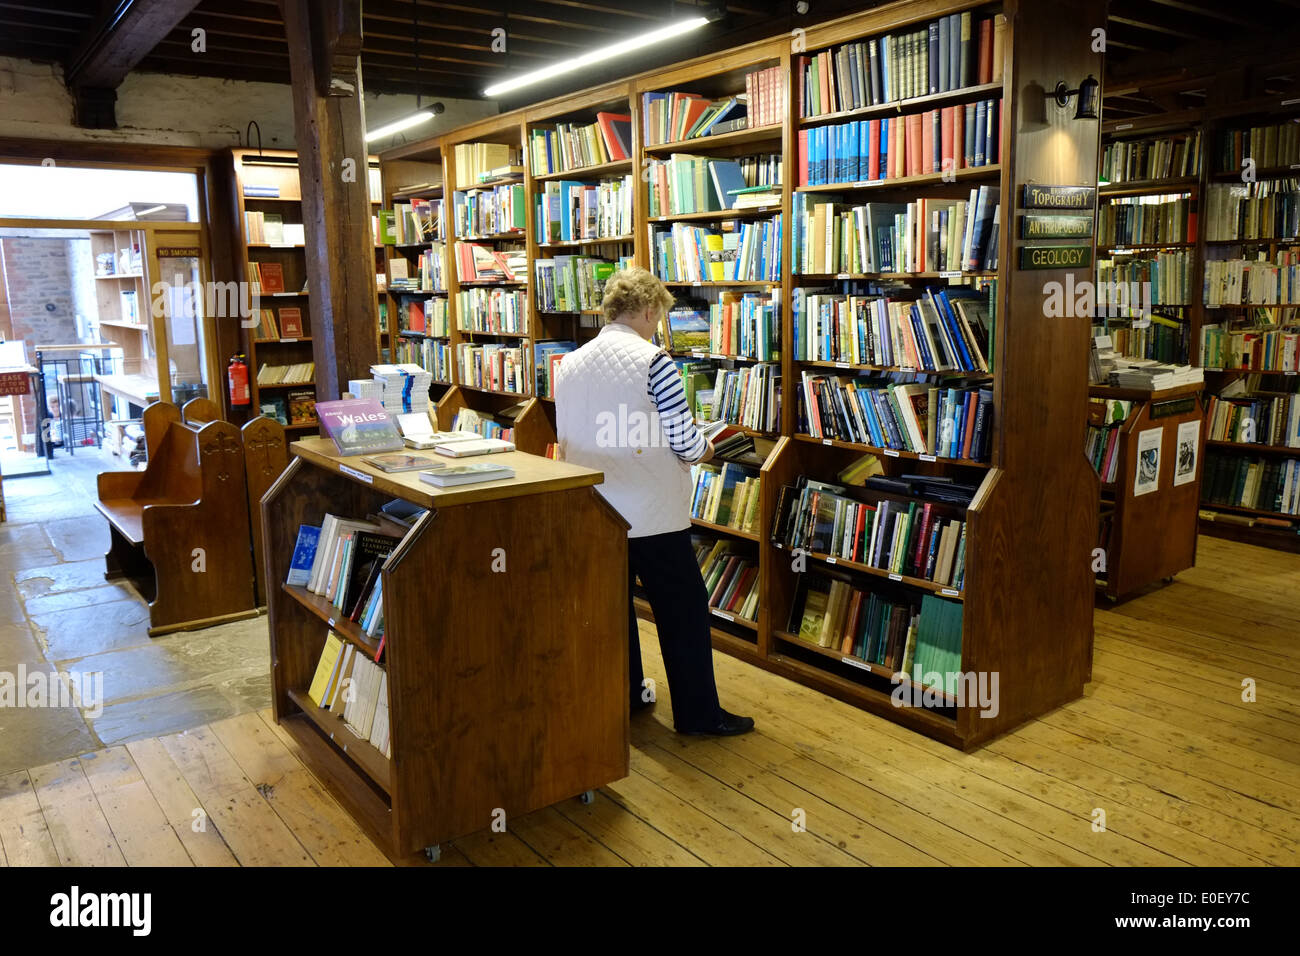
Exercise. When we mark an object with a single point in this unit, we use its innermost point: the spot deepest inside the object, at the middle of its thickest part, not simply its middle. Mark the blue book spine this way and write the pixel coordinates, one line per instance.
(853, 157)
(944, 43)
(304, 554)
(932, 59)
(884, 148)
(981, 119)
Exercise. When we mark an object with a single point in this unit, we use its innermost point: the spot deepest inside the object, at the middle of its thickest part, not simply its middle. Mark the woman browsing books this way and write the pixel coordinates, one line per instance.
(621, 408)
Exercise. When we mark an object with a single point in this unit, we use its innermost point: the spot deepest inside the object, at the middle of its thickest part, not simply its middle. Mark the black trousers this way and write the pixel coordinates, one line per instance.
(666, 566)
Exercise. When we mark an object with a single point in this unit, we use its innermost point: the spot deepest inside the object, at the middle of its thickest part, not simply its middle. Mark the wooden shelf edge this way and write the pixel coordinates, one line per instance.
(358, 752)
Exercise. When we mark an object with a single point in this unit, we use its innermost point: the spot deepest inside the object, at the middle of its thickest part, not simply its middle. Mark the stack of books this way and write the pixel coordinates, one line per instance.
(726, 495)
(1150, 375)
(730, 577)
(405, 388)
(295, 374)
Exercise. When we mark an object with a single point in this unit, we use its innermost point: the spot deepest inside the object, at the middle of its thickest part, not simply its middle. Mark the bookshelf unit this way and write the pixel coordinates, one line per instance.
(266, 185)
(489, 707)
(125, 317)
(1027, 549)
(1149, 537)
(1212, 244)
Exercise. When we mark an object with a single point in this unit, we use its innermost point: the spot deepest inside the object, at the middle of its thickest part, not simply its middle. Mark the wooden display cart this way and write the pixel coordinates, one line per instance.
(495, 705)
(1152, 536)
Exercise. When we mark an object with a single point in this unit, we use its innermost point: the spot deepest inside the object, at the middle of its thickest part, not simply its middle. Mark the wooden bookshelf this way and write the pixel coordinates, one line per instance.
(275, 170)
(491, 709)
(1151, 537)
(1021, 569)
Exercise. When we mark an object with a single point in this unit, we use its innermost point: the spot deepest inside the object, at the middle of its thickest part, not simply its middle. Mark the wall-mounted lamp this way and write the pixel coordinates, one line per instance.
(1087, 92)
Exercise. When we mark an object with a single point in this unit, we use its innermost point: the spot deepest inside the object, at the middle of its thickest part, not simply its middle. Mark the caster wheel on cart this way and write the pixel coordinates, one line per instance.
(587, 796)
(433, 853)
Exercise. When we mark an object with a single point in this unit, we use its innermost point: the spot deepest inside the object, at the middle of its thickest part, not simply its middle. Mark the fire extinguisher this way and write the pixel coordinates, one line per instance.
(237, 376)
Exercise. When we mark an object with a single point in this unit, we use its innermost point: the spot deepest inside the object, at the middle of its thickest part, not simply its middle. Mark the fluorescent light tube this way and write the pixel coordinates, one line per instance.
(415, 119)
(597, 56)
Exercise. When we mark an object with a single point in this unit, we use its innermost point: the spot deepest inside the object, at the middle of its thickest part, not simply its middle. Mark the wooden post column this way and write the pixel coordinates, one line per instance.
(329, 129)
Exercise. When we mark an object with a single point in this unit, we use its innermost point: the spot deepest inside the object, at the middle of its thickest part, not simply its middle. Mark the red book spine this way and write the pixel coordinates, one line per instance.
(803, 157)
(918, 555)
(855, 549)
(800, 72)
(947, 120)
(970, 424)
(873, 149)
(927, 144)
(958, 136)
(986, 52)
(912, 147)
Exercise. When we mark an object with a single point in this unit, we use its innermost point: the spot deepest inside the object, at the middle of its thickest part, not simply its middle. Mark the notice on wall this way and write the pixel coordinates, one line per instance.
(1146, 478)
(1189, 439)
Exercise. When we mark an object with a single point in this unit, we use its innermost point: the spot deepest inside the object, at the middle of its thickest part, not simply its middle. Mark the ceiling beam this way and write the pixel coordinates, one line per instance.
(122, 37)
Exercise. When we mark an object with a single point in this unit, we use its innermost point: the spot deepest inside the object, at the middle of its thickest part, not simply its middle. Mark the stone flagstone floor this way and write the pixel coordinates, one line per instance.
(57, 613)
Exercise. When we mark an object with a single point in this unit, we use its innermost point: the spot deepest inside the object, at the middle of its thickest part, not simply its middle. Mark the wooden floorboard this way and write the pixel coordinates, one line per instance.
(1165, 743)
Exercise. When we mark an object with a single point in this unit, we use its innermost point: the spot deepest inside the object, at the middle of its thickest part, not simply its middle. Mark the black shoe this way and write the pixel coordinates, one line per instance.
(728, 725)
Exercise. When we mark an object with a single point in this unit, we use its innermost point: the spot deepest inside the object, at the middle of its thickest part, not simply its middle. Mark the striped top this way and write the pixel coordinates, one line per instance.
(669, 397)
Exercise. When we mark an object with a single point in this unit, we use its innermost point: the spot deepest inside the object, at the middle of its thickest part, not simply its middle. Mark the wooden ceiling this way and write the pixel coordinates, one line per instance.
(445, 48)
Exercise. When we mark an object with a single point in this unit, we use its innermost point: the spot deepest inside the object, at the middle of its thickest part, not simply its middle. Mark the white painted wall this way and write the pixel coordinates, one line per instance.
(190, 110)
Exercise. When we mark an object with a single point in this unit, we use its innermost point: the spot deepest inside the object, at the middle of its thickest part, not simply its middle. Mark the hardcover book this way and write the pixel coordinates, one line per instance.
(358, 426)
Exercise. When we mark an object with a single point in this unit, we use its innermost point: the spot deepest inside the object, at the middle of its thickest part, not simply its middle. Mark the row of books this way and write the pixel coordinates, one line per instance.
(432, 355)
(921, 418)
(498, 368)
(266, 278)
(684, 184)
(1273, 350)
(934, 333)
(741, 325)
(1261, 419)
(478, 162)
(572, 211)
(574, 145)
(479, 263)
(1264, 484)
(296, 374)
(288, 325)
(917, 144)
(1128, 285)
(573, 283)
(1165, 157)
(1157, 340)
(492, 310)
(1253, 281)
(926, 235)
(749, 396)
(298, 407)
(430, 316)
(1146, 220)
(951, 53)
(1101, 445)
(675, 116)
(270, 228)
(726, 494)
(430, 274)
(730, 577)
(413, 221)
(546, 360)
(911, 538)
(342, 560)
(1277, 144)
(921, 639)
(488, 212)
(1268, 209)
(355, 689)
(469, 420)
(735, 251)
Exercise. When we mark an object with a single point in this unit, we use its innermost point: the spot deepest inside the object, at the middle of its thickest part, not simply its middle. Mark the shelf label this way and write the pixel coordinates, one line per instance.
(1035, 196)
(867, 182)
(953, 274)
(1123, 126)
(842, 365)
(844, 275)
(286, 341)
(359, 475)
(895, 577)
(928, 457)
(1055, 227)
(949, 592)
(722, 614)
(330, 623)
(891, 453)
(1291, 102)
(854, 662)
(832, 560)
(826, 441)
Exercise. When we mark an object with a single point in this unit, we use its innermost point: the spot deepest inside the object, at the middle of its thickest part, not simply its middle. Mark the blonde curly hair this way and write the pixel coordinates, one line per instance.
(633, 290)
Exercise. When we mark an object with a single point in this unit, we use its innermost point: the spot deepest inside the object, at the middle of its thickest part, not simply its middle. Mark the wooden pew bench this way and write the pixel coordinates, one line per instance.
(179, 530)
